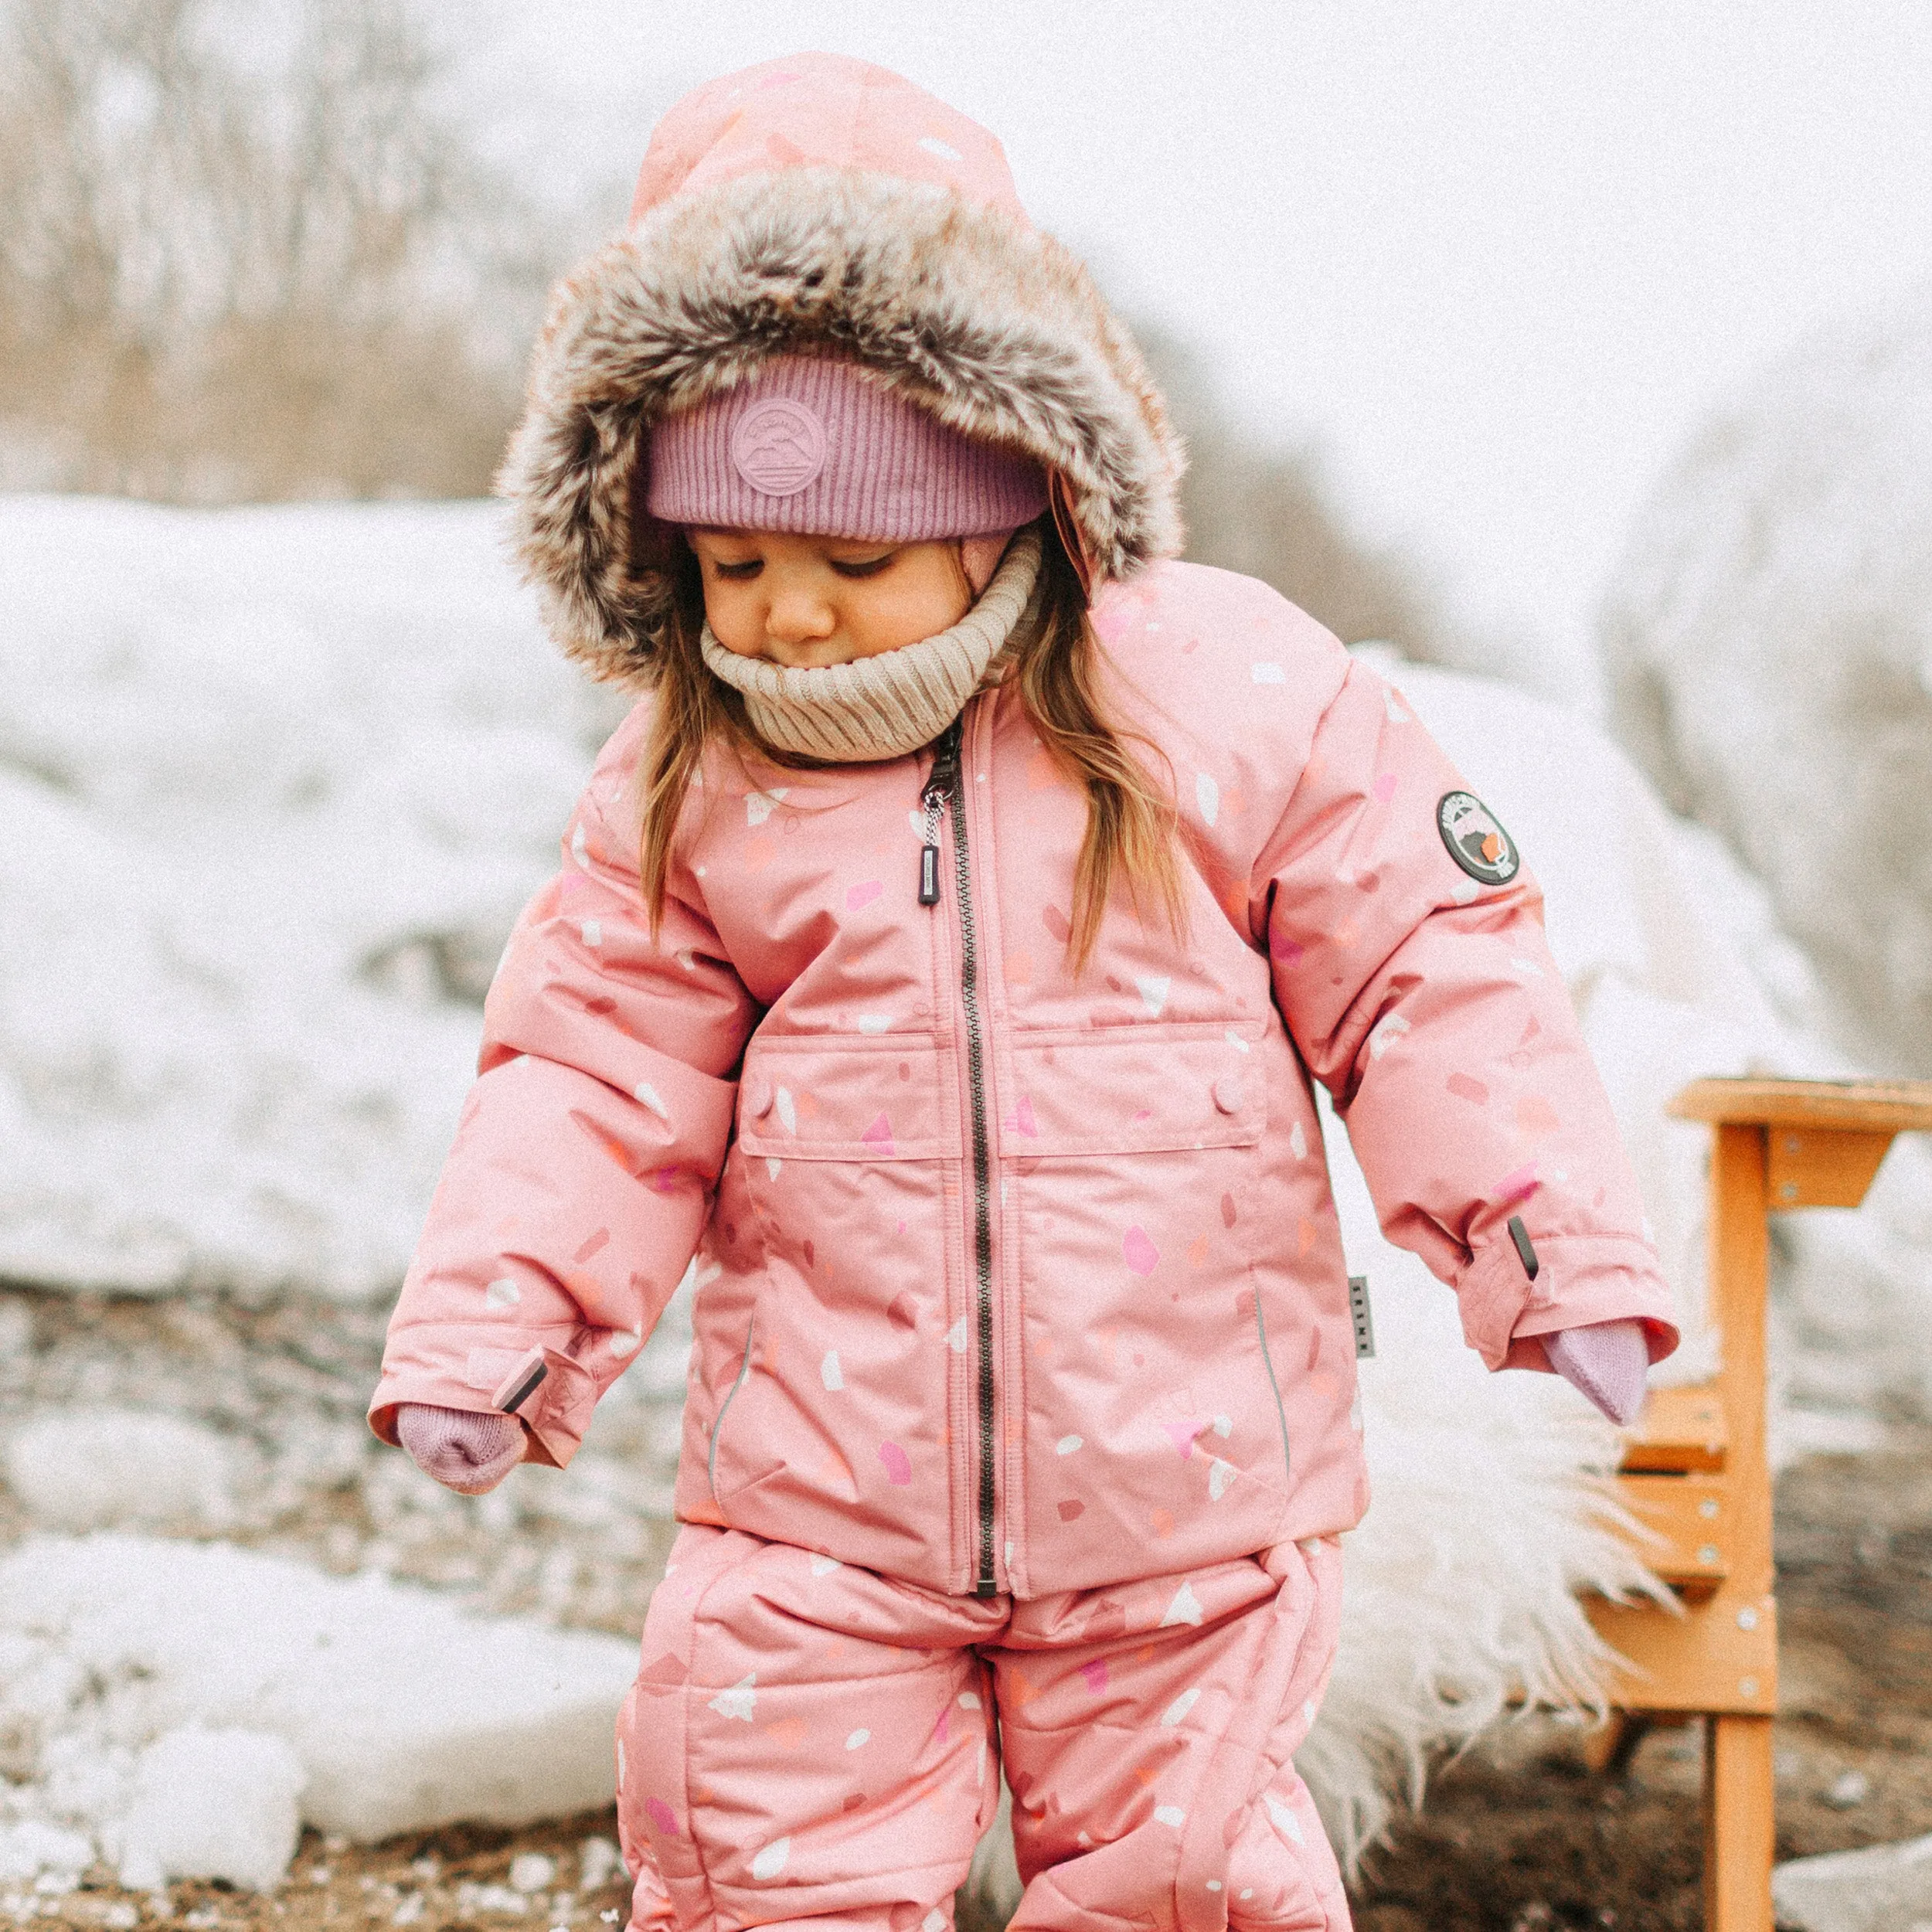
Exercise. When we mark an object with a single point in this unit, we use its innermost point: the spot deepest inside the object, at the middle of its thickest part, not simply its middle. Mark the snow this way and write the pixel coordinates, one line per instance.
(1768, 636)
(215, 1805)
(92, 1468)
(171, 1701)
(274, 781)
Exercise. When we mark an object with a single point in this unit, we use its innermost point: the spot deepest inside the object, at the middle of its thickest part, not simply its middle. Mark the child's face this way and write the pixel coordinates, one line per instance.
(808, 601)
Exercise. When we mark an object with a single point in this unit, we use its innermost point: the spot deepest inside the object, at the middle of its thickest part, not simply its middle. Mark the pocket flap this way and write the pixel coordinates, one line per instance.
(841, 1103)
(1135, 1090)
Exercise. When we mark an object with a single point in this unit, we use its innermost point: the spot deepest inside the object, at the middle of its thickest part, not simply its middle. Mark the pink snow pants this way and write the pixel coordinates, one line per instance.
(808, 1741)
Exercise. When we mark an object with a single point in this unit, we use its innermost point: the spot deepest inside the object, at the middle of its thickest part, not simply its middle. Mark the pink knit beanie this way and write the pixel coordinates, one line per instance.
(812, 447)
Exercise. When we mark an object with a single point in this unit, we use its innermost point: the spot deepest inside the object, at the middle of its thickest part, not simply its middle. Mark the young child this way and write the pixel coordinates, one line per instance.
(942, 955)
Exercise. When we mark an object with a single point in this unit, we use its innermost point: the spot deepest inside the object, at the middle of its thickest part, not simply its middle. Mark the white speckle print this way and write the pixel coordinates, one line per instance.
(788, 1109)
(956, 1336)
(946, 151)
(771, 1861)
(1389, 1028)
(1528, 967)
(1153, 990)
(1181, 1706)
(577, 850)
(935, 1921)
(1185, 1608)
(1297, 1142)
(773, 1165)
(1285, 1821)
(1235, 1040)
(857, 1738)
(1207, 795)
(759, 805)
(503, 1294)
(829, 1372)
(825, 1565)
(1268, 674)
(739, 1702)
(592, 930)
(1220, 1474)
(969, 1700)
(1066, 1445)
(1170, 1815)
(1224, 1426)
(873, 1022)
(646, 1095)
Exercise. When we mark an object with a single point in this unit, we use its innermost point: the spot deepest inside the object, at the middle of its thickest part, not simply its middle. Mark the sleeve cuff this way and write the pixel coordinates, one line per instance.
(1580, 1279)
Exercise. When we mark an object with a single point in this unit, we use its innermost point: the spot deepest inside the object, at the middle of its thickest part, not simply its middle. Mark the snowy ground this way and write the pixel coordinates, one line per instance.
(284, 777)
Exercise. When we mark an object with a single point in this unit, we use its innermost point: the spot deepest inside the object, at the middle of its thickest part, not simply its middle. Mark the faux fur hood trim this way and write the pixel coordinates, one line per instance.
(961, 308)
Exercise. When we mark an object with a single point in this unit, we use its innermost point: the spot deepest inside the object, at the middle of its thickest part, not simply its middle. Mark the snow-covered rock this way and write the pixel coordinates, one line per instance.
(1882, 1888)
(1768, 641)
(212, 1804)
(275, 784)
(146, 1687)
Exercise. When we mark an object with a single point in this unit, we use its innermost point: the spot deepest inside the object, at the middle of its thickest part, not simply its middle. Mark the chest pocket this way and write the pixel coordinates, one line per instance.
(1135, 1090)
(798, 1101)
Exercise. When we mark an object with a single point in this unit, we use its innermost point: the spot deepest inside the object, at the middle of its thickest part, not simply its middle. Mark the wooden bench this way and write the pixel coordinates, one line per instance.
(1695, 1470)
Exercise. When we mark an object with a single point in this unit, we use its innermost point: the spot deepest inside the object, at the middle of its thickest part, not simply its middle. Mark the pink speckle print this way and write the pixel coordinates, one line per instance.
(878, 1136)
(1516, 1185)
(1182, 1435)
(1022, 1119)
(1096, 1675)
(1465, 1088)
(662, 1818)
(899, 1468)
(1385, 786)
(863, 894)
(1141, 1253)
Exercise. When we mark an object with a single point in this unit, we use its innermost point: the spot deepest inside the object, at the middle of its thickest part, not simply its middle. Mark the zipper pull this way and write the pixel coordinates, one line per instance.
(938, 784)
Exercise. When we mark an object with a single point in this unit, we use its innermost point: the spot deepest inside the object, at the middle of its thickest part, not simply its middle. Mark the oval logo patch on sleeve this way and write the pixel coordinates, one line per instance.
(1476, 839)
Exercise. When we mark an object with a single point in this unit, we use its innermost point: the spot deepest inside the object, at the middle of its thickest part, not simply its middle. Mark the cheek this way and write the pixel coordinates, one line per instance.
(907, 613)
(734, 621)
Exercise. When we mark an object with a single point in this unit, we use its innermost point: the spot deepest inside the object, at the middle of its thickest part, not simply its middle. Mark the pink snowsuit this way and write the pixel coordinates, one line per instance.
(1024, 1381)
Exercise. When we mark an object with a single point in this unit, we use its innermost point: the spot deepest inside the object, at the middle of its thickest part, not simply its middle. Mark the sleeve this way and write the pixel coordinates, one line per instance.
(584, 1162)
(1418, 989)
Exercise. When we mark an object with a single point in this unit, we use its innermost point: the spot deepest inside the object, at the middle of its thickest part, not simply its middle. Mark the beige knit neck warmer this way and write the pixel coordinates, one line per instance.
(891, 704)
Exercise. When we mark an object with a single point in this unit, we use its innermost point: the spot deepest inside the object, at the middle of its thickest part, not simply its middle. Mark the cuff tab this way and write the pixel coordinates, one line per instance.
(1526, 1252)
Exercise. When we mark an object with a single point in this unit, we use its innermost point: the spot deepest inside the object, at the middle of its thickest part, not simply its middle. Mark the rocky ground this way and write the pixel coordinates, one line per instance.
(1523, 1838)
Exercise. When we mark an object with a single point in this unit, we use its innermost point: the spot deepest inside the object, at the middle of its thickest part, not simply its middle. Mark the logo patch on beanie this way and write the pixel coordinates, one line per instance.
(778, 447)
(1476, 839)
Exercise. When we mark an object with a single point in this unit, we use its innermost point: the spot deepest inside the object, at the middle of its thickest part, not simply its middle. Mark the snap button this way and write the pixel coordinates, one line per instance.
(1227, 1093)
(760, 1098)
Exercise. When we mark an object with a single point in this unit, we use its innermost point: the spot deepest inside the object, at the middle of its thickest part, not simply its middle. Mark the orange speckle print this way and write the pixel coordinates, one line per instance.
(758, 852)
(1197, 1252)
(788, 1733)
(1536, 1116)
(1019, 969)
(1163, 1521)
(1304, 1236)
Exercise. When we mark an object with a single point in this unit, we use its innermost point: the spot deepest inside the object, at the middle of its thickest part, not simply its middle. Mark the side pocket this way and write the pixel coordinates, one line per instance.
(1274, 1388)
(724, 1407)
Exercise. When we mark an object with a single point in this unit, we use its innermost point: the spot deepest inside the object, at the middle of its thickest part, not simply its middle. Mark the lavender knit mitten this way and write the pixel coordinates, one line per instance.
(463, 1449)
(1606, 1360)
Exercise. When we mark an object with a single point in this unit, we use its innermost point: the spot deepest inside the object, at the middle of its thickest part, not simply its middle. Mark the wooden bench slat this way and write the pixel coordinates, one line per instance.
(1882, 1107)
(1680, 1430)
(1692, 1515)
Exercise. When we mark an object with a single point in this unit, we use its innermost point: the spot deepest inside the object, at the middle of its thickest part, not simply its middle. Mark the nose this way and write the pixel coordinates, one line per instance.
(798, 615)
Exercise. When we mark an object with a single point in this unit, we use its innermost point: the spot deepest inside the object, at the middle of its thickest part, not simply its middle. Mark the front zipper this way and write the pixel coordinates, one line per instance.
(731, 1396)
(945, 785)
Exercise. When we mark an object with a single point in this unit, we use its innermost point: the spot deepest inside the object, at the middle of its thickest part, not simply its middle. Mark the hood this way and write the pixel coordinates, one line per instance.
(820, 206)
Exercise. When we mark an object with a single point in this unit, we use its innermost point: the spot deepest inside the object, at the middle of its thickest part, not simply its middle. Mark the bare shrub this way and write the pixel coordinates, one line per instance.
(242, 256)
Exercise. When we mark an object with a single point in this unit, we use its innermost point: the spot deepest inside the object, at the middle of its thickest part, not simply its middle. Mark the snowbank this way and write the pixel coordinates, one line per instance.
(1768, 638)
(275, 783)
(169, 1706)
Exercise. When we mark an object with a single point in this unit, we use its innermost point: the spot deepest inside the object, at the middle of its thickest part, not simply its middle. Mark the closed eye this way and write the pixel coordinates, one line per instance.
(870, 568)
(738, 573)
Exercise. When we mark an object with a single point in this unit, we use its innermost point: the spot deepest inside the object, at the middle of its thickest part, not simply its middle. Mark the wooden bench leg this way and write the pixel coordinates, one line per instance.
(1739, 1833)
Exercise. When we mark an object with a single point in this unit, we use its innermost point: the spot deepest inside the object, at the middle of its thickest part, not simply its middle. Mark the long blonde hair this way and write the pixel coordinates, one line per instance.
(1130, 820)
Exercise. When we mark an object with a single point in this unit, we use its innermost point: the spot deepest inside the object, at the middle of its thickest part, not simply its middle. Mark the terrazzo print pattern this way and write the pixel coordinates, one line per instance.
(772, 1095)
(806, 1738)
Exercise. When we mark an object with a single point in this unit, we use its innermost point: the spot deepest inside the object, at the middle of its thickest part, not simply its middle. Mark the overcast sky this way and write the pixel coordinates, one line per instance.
(1495, 259)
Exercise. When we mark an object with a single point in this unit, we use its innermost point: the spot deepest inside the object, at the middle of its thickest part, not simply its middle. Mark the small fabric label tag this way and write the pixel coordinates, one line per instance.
(1364, 1327)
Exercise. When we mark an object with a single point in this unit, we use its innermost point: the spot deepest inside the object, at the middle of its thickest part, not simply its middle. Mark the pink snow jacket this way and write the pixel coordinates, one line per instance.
(1004, 1281)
